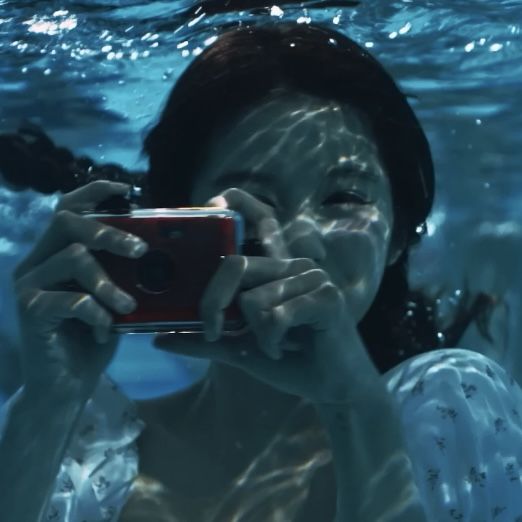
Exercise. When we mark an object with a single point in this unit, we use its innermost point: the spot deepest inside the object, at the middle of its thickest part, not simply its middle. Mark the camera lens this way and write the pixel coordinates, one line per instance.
(155, 272)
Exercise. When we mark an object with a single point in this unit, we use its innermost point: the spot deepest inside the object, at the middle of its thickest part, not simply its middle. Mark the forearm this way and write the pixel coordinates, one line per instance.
(32, 447)
(375, 481)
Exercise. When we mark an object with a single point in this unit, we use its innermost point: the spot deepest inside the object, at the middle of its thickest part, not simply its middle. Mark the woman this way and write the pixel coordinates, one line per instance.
(303, 133)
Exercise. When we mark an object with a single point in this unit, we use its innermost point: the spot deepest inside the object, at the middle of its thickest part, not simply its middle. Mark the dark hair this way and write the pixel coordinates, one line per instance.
(239, 70)
(245, 65)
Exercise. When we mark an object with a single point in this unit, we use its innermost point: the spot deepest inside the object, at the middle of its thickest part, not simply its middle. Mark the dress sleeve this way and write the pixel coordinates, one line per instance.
(460, 414)
(101, 461)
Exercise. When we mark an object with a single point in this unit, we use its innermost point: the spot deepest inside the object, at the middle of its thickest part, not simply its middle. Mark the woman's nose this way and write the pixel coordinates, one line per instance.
(304, 239)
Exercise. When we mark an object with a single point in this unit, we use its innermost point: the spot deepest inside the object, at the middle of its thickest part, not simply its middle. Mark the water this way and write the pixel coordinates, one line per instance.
(95, 74)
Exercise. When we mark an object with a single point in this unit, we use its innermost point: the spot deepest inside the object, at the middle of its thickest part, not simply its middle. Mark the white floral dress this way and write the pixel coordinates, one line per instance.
(461, 417)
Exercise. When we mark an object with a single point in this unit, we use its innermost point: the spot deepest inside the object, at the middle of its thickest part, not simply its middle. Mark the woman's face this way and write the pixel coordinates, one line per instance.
(317, 164)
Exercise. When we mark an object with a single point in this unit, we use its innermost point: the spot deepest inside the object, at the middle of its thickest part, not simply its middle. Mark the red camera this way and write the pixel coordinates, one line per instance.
(186, 246)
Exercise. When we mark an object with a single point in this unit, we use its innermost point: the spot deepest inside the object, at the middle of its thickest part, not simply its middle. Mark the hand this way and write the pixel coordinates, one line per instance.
(65, 335)
(300, 337)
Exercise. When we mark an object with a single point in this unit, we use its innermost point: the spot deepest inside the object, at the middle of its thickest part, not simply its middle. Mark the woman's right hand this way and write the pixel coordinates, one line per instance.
(66, 342)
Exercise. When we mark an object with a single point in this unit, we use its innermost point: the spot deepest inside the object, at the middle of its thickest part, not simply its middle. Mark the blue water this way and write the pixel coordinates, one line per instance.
(95, 74)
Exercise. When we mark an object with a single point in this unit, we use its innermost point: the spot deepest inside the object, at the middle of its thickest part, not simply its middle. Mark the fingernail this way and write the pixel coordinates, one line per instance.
(218, 201)
(125, 302)
(139, 248)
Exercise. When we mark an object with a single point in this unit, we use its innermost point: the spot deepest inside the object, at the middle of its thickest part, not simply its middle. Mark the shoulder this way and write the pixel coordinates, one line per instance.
(464, 378)
(461, 421)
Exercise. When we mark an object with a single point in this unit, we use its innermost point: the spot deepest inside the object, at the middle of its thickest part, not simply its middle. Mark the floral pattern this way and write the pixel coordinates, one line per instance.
(459, 412)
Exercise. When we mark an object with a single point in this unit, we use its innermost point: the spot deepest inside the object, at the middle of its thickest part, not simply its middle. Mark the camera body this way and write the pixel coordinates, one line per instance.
(186, 247)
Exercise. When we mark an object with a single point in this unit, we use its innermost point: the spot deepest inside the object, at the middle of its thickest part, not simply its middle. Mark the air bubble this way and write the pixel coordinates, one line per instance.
(405, 28)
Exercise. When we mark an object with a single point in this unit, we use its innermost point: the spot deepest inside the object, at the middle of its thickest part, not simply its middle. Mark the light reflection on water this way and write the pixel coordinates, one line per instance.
(109, 66)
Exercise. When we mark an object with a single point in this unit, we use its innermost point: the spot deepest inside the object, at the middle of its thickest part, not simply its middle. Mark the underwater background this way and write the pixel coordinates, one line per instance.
(94, 75)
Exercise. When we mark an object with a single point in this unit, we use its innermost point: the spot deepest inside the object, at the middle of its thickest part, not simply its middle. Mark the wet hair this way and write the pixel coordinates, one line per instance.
(245, 65)
(241, 69)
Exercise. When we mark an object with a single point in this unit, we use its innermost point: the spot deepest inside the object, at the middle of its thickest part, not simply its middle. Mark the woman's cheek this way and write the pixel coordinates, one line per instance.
(359, 249)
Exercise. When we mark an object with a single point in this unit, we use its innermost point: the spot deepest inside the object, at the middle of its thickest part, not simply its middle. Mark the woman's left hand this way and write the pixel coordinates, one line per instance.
(300, 337)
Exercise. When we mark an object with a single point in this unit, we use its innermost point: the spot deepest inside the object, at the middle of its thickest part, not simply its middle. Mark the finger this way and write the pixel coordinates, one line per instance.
(76, 263)
(49, 309)
(247, 205)
(255, 304)
(68, 227)
(272, 238)
(237, 272)
(89, 196)
(258, 214)
(316, 309)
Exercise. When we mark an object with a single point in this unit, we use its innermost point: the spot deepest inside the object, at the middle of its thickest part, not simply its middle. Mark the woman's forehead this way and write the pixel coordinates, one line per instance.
(292, 130)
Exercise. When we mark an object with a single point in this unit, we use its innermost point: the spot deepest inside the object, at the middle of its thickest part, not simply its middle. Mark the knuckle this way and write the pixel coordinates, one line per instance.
(304, 264)
(320, 277)
(102, 233)
(29, 299)
(331, 291)
(63, 217)
(78, 252)
(232, 193)
(96, 188)
(87, 306)
(234, 263)
(275, 320)
(105, 290)
(319, 273)
(109, 237)
(103, 286)
(99, 183)
(83, 301)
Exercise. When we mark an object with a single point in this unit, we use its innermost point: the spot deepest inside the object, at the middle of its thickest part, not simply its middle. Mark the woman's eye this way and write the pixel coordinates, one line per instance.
(339, 198)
